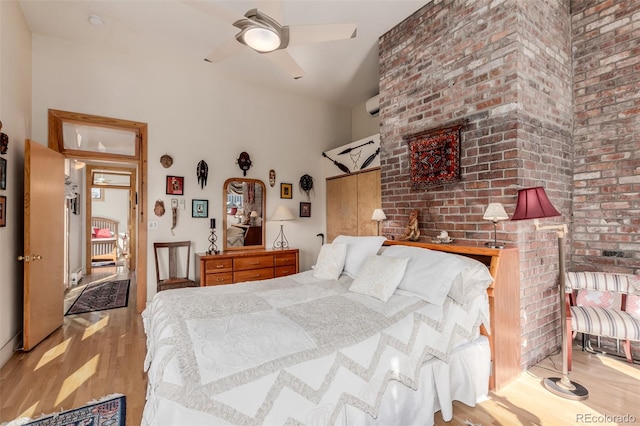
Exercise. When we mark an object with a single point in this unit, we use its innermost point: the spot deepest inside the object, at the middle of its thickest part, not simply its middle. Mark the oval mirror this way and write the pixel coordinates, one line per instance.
(244, 204)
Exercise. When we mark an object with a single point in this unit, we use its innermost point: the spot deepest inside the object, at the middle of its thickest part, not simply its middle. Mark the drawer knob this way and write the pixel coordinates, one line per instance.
(219, 266)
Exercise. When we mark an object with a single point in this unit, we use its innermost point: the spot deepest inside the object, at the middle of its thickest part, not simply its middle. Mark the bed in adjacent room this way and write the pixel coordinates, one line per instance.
(104, 240)
(362, 338)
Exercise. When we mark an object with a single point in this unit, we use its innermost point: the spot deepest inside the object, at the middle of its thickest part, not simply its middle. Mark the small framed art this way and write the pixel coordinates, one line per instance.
(3, 173)
(199, 208)
(97, 194)
(3, 210)
(175, 185)
(286, 190)
(305, 209)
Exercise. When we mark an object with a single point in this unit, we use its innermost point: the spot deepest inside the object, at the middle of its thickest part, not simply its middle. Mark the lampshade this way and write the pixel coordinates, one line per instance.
(261, 39)
(533, 203)
(254, 213)
(282, 213)
(378, 215)
(495, 212)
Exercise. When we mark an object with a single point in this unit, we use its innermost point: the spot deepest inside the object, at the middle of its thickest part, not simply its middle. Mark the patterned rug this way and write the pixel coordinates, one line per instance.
(110, 410)
(101, 296)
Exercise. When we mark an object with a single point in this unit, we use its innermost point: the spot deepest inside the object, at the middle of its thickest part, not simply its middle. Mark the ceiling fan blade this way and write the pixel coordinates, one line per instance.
(284, 61)
(227, 49)
(272, 8)
(213, 9)
(305, 34)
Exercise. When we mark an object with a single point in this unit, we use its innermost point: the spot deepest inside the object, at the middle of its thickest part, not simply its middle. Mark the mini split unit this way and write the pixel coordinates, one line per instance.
(373, 105)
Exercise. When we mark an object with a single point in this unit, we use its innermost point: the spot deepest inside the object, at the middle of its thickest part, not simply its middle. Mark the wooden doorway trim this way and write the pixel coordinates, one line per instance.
(56, 143)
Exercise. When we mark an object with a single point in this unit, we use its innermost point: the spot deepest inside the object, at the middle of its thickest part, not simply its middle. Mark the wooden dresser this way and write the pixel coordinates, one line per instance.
(246, 265)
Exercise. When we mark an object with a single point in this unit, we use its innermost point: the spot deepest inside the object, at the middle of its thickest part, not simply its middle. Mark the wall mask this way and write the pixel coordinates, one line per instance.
(244, 162)
(158, 209)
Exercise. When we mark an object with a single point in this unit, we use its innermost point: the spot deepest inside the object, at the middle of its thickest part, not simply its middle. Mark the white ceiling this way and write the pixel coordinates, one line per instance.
(344, 72)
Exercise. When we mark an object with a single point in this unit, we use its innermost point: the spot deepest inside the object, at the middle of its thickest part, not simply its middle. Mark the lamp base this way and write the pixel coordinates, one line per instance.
(570, 390)
(494, 245)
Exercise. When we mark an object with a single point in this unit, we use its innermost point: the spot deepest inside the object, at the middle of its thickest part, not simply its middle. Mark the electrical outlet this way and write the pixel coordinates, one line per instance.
(153, 224)
(182, 204)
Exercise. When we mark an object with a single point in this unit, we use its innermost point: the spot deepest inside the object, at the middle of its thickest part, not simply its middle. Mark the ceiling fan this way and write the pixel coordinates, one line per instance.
(261, 31)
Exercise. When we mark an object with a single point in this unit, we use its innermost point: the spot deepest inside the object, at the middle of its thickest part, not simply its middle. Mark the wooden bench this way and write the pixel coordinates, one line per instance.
(603, 304)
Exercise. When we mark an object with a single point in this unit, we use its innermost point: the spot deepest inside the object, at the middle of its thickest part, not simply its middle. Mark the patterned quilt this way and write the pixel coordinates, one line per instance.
(291, 350)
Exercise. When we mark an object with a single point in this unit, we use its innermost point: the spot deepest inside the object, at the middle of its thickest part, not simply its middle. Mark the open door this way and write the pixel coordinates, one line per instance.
(43, 243)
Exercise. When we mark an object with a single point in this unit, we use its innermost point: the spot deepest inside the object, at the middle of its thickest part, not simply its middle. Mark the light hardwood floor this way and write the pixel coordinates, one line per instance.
(99, 353)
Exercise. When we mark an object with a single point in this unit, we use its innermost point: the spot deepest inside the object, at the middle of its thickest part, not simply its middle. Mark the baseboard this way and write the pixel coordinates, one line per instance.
(6, 352)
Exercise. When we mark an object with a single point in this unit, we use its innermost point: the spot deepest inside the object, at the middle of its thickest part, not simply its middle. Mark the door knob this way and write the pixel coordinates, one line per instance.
(25, 258)
(36, 257)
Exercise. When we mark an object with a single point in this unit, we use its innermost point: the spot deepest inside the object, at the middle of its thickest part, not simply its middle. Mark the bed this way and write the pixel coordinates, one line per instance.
(104, 239)
(391, 336)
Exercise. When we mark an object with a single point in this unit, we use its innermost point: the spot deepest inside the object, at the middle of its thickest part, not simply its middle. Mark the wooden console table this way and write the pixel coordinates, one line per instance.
(245, 265)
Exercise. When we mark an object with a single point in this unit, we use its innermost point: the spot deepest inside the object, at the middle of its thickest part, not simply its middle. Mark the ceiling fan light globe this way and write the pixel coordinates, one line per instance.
(261, 39)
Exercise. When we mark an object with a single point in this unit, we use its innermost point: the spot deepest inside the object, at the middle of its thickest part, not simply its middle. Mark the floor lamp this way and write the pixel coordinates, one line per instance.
(533, 203)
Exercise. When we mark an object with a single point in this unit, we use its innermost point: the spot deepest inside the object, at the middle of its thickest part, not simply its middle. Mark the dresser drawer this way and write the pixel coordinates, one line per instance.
(253, 274)
(282, 271)
(285, 259)
(218, 279)
(254, 262)
(218, 265)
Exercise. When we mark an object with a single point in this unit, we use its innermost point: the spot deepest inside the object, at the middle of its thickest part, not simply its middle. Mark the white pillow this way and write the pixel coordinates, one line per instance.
(358, 249)
(430, 274)
(471, 282)
(330, 261)
(379, 276)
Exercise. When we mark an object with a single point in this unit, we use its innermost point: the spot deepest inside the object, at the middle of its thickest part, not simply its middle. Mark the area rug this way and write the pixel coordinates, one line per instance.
(110, 410)
(101, 296)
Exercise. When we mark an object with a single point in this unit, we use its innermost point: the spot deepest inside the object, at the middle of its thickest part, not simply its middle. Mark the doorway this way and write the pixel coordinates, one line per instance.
(111, 144)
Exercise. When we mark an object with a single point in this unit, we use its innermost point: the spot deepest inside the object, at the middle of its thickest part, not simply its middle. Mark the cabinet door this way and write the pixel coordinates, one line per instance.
(342, 206)
(369, 199)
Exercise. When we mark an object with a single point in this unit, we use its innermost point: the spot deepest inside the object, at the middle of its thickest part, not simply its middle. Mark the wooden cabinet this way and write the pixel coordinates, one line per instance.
(247, 265)
(351, 200)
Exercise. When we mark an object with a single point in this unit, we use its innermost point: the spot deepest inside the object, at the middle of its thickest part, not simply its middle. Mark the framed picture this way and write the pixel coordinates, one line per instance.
(175, 185)
(199, 208)
(3, 173)
(97, 194)
(286, 190)
(434, 157)
(3, 210)
(305, 209)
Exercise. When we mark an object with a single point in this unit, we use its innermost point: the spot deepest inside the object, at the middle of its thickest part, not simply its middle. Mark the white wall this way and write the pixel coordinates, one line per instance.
(15, 113)
(194, 114)
(363, 123)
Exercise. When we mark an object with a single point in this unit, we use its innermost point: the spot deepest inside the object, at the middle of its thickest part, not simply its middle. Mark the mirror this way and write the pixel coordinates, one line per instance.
(244, 202)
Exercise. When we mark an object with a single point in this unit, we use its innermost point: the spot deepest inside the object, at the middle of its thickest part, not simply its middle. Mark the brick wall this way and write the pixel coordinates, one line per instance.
(606, 204)
(504, 68)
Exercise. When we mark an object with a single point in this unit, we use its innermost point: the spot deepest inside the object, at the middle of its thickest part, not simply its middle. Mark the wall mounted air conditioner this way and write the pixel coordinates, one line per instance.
(373, 105)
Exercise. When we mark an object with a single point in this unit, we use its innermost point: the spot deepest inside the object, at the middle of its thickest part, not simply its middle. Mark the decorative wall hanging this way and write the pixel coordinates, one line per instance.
(158, 209)
(174, 214)
(305, 209)
(166, 161)
(355, 152)
(370, 159)
(272, 177)
(434, 157)
(175, 185)
(202, 171)
(338, 164)
(3, 210)
(306, 185)
(4, 141)
(244, 162)
(412, 232)
(199, 208)
(3, 173)
(286, 190)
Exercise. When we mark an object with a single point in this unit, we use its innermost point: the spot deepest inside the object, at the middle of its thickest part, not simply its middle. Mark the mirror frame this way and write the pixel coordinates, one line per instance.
(224, 213)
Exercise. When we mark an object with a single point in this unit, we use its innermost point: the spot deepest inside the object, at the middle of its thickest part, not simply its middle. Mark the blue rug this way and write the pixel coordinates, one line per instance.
(110, 411)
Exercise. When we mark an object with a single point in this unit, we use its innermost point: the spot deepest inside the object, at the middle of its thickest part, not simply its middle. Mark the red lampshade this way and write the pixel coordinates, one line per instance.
(533, 203)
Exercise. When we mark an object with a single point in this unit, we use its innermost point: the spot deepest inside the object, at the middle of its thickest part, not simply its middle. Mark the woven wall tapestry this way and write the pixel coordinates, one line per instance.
(434, 157)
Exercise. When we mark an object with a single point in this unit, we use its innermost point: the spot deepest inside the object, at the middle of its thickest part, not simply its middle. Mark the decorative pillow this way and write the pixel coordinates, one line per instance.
(599, 299)
(633, 305)
(103, 233)
(379, 276)
(434, 275)
(330, 261)
(358, 249)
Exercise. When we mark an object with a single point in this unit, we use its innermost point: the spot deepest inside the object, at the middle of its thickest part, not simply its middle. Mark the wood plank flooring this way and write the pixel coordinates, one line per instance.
(99, 353)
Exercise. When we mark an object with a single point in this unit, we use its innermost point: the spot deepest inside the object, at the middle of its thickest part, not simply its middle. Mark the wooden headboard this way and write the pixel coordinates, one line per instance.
(504, 304)
(103, 222)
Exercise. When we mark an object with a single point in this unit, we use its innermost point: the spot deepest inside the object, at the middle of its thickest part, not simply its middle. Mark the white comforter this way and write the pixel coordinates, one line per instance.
(291, 350)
